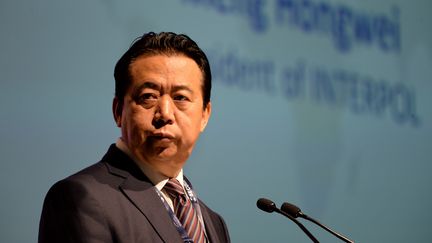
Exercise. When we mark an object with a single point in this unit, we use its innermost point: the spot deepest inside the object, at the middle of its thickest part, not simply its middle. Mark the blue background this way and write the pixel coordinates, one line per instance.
(285, 124)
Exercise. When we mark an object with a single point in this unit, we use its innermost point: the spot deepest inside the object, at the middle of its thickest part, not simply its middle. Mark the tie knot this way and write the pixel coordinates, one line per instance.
(174, 188)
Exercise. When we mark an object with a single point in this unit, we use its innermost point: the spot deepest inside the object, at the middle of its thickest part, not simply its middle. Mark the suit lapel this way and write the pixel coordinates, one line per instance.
(141, 193)
(145, 198)
(210, 229)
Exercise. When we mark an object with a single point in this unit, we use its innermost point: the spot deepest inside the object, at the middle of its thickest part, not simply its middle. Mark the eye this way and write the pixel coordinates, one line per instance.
(180, 97)
(147, 98)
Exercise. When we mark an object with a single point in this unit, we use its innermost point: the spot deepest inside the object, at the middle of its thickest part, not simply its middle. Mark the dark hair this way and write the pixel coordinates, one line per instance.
(167, 43)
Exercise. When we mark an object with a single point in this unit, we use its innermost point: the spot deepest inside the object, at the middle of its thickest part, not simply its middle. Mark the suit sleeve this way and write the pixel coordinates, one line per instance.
(70, 214)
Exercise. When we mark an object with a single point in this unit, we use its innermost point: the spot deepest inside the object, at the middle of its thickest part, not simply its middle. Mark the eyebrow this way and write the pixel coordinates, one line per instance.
(182, 87)
(155, 86)
(149, 85)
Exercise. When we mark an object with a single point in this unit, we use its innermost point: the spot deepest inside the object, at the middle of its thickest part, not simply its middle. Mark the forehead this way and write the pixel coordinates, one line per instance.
(173, 67)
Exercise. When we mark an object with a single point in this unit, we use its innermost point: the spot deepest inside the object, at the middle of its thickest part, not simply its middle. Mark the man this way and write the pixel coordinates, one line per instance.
(137, 192)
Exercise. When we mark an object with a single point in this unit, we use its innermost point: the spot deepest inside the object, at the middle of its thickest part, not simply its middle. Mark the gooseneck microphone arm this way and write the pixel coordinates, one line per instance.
(269, 207)
(295, 212)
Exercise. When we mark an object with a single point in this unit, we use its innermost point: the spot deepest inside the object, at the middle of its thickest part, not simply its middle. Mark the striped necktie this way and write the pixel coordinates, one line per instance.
(185, 211)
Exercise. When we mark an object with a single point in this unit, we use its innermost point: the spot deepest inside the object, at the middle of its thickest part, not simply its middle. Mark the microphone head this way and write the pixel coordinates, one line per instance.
(266, 205)
(291, 209)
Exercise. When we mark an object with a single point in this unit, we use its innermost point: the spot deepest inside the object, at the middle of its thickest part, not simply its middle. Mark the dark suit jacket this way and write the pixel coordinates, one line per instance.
(113, 201)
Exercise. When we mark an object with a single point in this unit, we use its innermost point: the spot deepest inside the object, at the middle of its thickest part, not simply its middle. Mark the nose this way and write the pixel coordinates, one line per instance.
(164, 114)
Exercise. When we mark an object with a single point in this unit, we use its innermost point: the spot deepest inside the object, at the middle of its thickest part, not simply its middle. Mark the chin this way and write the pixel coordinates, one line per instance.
(166, 153)
(173, 155)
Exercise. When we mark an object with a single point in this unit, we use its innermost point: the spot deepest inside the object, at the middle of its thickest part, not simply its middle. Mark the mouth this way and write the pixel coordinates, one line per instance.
(161, 136)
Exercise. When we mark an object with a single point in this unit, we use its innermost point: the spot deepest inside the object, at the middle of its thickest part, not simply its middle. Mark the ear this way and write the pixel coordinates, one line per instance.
(206, 116)
(117, 108)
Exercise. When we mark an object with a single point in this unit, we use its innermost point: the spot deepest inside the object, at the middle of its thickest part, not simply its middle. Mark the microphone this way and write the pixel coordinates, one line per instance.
(269, 206)
(295, 212)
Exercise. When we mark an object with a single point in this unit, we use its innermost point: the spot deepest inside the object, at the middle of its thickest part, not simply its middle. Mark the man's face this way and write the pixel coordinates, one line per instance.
(162, 114)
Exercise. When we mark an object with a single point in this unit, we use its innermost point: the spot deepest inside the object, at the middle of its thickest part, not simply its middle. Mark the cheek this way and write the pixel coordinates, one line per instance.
(191, 127)
(136, 124)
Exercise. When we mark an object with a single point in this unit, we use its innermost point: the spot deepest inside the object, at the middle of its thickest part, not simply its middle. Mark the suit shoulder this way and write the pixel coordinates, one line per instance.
(69, 204)
(93, 178)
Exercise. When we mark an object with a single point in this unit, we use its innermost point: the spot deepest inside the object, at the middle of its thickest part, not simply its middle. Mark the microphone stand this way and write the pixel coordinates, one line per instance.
(298, 223)
(345, 239)
(295, 212)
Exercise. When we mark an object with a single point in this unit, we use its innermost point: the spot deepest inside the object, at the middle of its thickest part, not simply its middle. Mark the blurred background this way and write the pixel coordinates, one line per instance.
(321, 103)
